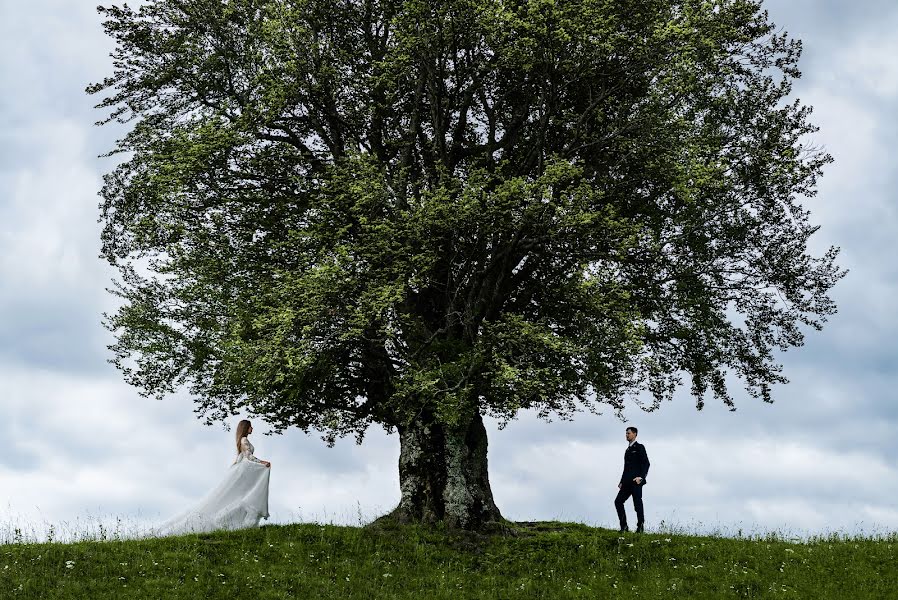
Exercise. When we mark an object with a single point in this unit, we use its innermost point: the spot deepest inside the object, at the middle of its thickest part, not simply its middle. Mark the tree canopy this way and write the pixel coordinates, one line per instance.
(333, 213)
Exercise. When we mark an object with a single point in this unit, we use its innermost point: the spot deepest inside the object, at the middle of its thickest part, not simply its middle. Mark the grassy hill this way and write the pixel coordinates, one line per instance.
(545, 560)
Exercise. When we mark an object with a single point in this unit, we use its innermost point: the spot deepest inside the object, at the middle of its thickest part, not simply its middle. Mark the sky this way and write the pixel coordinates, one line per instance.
(81, 448)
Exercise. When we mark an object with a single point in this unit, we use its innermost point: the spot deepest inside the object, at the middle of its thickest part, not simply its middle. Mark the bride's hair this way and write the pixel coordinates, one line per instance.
(242, 428)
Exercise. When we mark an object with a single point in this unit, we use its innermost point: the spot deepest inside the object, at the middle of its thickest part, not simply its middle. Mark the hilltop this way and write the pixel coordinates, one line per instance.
(541, 560)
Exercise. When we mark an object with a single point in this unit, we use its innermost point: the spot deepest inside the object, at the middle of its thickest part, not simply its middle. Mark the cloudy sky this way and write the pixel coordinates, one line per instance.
(78, 445)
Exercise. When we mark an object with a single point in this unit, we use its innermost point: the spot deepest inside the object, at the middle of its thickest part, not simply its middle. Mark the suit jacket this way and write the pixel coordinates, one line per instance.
(636, 463)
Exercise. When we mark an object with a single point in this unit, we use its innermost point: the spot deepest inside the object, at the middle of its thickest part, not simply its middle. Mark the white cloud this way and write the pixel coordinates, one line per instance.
(869, 63)
(49, 218)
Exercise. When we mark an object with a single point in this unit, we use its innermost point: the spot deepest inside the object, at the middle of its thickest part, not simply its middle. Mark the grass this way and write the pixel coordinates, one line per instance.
(545, 560)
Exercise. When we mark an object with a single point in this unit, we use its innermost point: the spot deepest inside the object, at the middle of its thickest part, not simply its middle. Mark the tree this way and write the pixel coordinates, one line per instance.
(409, 213)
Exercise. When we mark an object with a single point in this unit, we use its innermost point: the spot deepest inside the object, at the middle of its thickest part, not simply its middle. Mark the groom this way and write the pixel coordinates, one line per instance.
(636, 467)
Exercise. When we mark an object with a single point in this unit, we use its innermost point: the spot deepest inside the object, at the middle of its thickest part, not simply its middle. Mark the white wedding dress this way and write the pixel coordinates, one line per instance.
(238, 502)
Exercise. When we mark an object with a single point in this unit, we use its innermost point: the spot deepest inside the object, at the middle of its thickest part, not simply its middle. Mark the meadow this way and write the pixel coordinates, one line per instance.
(533, 560)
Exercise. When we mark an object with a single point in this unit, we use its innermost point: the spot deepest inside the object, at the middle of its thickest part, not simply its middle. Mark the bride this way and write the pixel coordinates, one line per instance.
(239, 501)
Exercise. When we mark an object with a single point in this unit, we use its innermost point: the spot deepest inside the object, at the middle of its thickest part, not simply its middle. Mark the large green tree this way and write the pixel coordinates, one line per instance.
(413, 213)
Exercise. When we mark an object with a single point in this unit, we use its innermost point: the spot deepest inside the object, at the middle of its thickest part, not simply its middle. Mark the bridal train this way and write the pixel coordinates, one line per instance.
(240, 501)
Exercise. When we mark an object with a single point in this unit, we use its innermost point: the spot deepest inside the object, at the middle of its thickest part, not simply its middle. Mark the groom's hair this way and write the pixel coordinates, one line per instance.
(634, 430)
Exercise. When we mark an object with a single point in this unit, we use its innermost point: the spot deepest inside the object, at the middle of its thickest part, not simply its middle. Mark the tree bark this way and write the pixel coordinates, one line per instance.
(443, 475)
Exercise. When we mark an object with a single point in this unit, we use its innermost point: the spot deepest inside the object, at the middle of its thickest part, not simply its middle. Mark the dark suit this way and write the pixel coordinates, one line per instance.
(636, 464)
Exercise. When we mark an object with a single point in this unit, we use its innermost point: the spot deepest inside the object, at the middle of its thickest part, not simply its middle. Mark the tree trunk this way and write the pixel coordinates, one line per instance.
(443, 475)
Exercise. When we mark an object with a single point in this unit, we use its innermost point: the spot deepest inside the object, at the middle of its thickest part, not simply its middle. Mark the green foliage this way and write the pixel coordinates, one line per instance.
(332, 214)
(547, 560)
